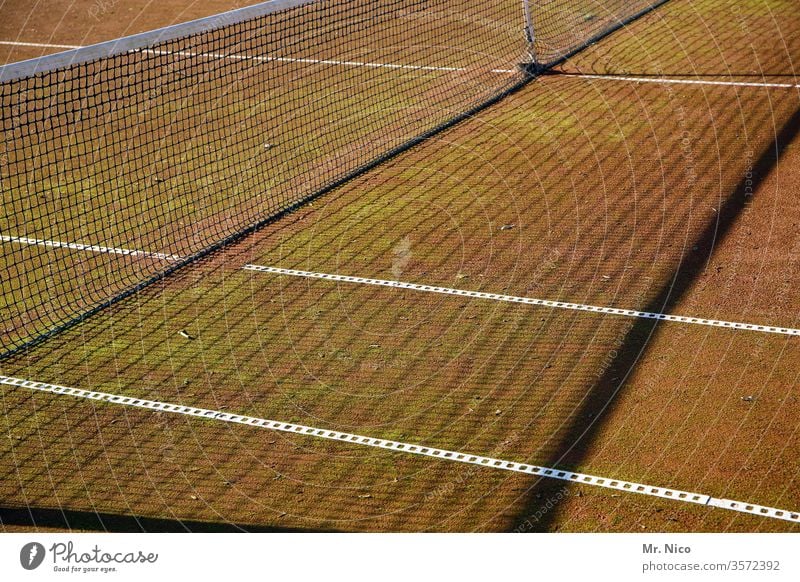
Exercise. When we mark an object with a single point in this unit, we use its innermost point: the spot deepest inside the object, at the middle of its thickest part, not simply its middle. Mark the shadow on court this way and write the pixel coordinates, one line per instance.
(600, 400)
(87, 521)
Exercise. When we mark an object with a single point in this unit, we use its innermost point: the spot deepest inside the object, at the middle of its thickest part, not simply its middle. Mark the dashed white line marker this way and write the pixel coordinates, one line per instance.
(410, 448)
(57, 244)
(426, 288)
(267, 59)
(39, 44)
(528, 300)
(668, 81)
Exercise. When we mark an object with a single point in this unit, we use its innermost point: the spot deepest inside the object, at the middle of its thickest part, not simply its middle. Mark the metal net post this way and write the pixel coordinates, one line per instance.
(532, 66)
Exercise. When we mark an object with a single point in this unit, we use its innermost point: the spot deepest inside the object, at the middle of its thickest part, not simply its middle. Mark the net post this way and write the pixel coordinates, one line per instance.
(530, 36)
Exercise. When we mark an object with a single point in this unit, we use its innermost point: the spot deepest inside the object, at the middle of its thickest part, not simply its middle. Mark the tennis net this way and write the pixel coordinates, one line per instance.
(559, 28)
(124, 161)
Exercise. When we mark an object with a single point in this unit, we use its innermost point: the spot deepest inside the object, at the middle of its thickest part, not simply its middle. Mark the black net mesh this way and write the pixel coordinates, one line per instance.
(562, 27)
(119, 170)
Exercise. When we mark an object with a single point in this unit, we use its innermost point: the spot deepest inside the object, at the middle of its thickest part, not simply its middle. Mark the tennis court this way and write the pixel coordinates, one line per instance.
(595, 274)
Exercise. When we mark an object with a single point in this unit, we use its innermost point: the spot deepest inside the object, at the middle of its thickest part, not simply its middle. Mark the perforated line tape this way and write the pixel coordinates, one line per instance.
(529, 300)
(428, 288)
(667, 81)
(56, 244)
(264, 59)
(490, 462)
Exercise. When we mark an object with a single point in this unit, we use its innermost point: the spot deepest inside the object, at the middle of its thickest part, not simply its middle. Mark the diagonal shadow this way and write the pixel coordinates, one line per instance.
(581, 434)
(66, 519)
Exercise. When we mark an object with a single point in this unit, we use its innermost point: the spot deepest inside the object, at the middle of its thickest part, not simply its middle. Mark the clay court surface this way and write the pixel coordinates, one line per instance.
(585, 186)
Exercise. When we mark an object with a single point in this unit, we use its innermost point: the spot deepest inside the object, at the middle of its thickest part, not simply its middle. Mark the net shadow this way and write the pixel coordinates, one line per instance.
(600, 400)
(33, 518)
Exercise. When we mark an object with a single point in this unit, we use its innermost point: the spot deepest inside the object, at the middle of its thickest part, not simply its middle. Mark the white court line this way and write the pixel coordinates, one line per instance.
(39, 44)
(665, 81)
(527, 300)
(263, 59)
(415, 449)
(656, 80)
(82, 247)
(427, 288)
(235, 57)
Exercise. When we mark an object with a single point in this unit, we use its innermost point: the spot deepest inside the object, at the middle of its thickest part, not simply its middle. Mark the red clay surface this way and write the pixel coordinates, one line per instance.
(611, 193)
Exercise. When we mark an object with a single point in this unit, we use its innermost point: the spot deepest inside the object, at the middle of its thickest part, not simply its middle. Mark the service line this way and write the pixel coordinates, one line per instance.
(368, 64)
(267, 59)
(56, 244)
(39, 44)
(410, 448)
(527, 300)
(424, 288)
(668, 81)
